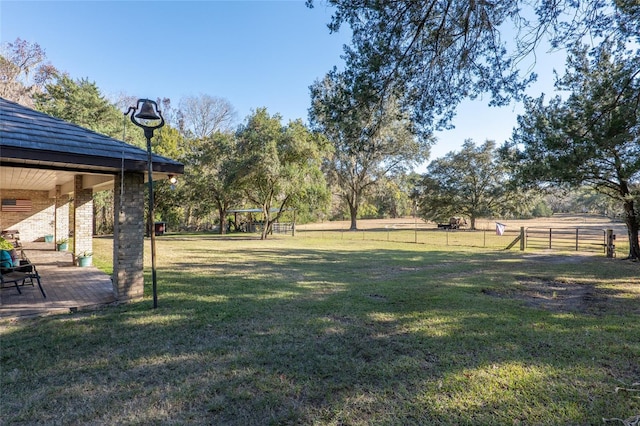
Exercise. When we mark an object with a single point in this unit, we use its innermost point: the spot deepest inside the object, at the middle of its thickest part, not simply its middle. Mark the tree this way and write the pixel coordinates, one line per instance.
(23, 71)
(369, 144)
(470, 183)
(431, 54)
(212, 176)
(392, 196)
(201, 116)
(103, 212)
(279, 165)
(592, 138)
(169, 197)
(80, 102)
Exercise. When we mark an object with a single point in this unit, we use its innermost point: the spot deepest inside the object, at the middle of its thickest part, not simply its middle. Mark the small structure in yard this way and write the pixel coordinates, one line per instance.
(248, 222)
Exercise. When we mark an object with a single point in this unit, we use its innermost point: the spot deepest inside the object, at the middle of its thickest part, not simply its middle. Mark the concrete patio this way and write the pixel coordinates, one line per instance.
(68, 288)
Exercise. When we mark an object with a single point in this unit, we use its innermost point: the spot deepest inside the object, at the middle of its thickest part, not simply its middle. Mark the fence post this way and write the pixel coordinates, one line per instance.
(577, 230)
(523, 243)
(611, 247)
(550, 232)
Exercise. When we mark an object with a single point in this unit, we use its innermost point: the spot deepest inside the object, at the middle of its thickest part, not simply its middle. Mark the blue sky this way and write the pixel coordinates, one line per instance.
(253, 53)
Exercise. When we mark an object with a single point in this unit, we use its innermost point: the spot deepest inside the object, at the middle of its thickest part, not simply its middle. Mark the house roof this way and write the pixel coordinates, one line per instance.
(34, 140)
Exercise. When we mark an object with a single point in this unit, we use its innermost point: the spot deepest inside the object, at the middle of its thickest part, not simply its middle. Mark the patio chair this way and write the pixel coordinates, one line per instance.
(7, 277)
(19, 276)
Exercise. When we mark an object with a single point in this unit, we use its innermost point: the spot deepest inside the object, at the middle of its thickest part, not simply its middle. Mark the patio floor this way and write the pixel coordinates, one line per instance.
(68, 288)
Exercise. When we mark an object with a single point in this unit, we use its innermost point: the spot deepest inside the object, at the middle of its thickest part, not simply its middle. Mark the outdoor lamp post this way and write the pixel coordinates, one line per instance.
(147, 115)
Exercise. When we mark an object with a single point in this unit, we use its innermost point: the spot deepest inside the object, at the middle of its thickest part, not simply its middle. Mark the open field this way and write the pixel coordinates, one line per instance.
(317, 331)
(555, 221)
(586, 232)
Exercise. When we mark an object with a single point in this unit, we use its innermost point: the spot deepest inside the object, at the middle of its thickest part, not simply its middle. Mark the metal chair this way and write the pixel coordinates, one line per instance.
(19, 276)
(11, 277)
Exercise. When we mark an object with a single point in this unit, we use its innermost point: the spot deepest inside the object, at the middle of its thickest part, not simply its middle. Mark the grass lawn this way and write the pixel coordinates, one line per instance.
(338, 332)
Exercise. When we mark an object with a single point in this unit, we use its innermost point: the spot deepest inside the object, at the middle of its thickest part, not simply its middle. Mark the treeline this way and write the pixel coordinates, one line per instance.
(354, 159)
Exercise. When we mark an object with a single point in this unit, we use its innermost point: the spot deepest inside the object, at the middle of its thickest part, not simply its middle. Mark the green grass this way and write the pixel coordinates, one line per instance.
(319, 331)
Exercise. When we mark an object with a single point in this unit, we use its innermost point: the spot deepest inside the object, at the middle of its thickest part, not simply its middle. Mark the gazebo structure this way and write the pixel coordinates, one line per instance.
(49, 171)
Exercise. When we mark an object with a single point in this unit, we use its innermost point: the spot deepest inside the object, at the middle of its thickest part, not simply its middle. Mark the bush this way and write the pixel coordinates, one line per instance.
(541, 209)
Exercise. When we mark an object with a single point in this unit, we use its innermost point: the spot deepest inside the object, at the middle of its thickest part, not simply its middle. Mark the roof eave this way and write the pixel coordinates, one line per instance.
(71, 161)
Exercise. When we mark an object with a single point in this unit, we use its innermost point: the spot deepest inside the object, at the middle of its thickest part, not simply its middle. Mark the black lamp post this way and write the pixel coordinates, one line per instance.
(147, 115)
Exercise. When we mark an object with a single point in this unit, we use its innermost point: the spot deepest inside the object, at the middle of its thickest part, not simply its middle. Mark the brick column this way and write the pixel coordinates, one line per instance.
(83, 218)
(128, 236)
(61, 219)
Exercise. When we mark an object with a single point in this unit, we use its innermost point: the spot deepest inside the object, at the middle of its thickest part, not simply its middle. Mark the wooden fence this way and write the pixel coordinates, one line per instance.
(282, 228)
(578, 239)
(428, 236)
(560, 239)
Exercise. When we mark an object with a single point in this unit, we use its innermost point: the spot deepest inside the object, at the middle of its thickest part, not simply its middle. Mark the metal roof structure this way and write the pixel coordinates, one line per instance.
(38, 151)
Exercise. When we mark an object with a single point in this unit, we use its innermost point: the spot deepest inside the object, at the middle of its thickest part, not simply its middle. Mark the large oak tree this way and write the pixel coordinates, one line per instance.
(369, 143)
(470, 183)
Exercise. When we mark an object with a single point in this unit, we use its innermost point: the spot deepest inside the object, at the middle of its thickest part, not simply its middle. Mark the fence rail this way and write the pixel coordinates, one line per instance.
(282, 228)
(561, 239)
(430, 236)
(578, 239)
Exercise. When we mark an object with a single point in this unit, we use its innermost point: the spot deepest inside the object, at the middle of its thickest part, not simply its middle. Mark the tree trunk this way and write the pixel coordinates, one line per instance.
(221, 215)
(631, 219)
(187, 216)
(265, 227)
(353, 212)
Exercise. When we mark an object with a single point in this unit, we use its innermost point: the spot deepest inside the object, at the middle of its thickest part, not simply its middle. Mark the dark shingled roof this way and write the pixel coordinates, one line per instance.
(29, 137)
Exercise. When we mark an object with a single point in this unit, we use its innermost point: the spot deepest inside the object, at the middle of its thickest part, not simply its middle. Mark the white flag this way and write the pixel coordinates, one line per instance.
(500, 227)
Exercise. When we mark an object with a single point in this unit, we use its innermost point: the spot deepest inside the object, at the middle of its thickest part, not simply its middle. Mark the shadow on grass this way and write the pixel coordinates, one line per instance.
(300, 336)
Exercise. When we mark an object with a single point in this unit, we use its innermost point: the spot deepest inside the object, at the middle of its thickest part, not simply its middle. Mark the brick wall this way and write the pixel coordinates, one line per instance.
(61, 217)
(33, 225)
(128, 241)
